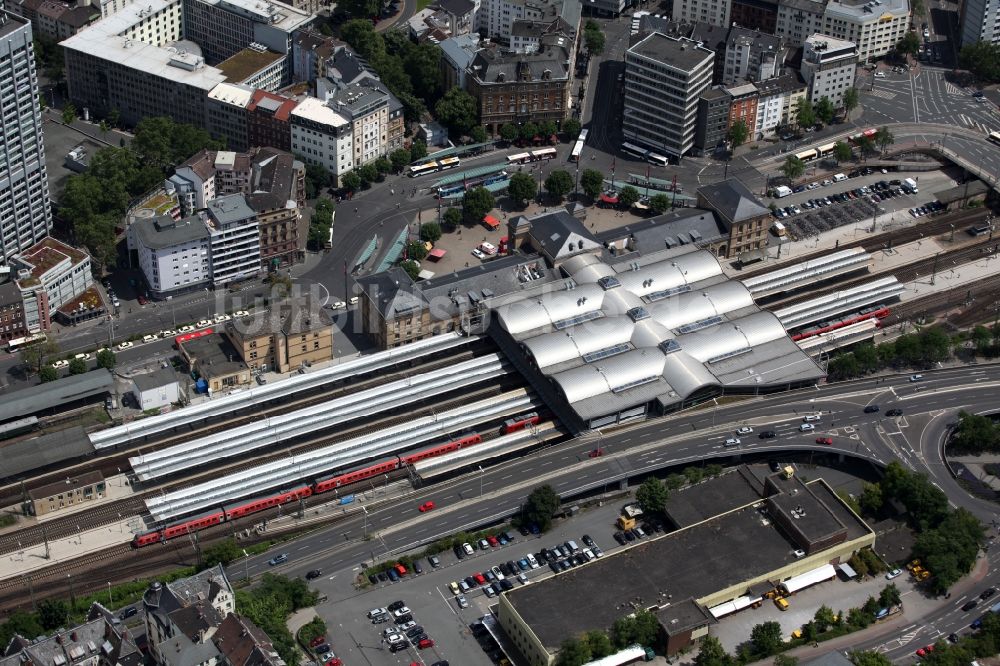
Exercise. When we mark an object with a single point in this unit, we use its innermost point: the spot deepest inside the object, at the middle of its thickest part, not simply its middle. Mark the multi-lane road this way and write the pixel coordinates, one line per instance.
(496, 493)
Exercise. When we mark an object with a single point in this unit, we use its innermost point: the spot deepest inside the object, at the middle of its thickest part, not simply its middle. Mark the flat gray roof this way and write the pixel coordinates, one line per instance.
(230, 208)
(161, 232)
(39, 452)
(155, 379)
(678, 53)
(694, 504)
(18, 404)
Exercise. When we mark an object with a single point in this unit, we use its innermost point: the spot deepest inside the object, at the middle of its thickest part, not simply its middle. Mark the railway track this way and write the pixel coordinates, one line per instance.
(99, 516)
(11, 493)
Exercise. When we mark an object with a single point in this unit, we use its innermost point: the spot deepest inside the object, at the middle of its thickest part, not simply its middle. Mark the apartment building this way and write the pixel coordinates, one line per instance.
(49, 274)
(497, 17)
(12, 324)
(310, 50)
(518, 88)
(456, 56)
(777, 101)
(174, 255)
(752, 56)
(743, 106)
(226, 113)
(223, 28)
(234, 239)
(55, 19)
(366, 109)
(712, 122)
(874, 26)
(664, 79)
(283, 339)
(25, 214)
(829, 66)
(798, 20)
(269, 120)
(715, 12)
(322, 136)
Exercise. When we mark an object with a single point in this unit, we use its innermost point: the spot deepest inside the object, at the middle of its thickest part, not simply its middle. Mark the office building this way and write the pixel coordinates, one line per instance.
(979, 22)
(55, 19)
(256, 67)
(234, 237)
(322, 136)
(269, 120)
(664, 78)
(25, 214)
(712, 123)
(64, 494)
(174, 255)
(518, 88)
(798, 20)
(752, 56)
(874, 26)
(223, 28)
(715, 12)
(829, 66)
(283, 339)
(497, 17)
(49, 274)
(226, 113)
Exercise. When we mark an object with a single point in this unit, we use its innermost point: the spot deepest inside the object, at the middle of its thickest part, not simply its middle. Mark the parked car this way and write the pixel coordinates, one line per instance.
(278, 559)
(895, 573)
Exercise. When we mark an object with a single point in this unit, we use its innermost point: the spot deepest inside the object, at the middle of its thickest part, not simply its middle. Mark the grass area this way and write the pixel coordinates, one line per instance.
(6, 520)
(422, 4)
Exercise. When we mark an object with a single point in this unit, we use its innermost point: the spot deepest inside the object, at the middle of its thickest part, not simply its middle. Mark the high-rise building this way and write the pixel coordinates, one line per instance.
(875, 26)
(752, 56)
(980, 22)
(664, 78)
(25, 215)
(829, 66)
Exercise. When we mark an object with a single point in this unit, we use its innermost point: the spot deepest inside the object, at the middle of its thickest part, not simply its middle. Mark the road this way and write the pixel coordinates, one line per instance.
(496, 493)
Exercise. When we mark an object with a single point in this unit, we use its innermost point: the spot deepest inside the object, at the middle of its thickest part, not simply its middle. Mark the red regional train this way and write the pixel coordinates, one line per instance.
(876, 312)
(322, 484)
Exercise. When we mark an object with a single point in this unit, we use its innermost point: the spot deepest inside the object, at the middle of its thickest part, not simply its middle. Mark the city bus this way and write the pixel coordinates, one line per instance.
(449, 163)
(632, 149)
(543, 154)
(434, 166)
(995, 137)
(520, 158)
(658, 160)
(469, 183)
(18, 344)
(574, 156)
(807, 155)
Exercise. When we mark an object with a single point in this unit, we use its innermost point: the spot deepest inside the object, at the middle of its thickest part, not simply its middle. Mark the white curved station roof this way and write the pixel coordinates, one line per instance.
(612, 337)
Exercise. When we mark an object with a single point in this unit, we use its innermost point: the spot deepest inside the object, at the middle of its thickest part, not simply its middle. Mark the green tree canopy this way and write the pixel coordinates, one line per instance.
(363, 38)
(522, 188)
(869, 658)
(909, 43)
(453, 217)
(559, 183)
(793, 167)
(573, 652)
(418, 151)
(478, 134)
(659, 203)
(766, 638)
(22, 624)
(842, 151)
(36, 356)
(52, 614)
(805, 116)
(652, 496)
(457, 109)
(68, 113)
(47, 374)
(599, 643)
(628, 196)
(161, 142)
(400, 158)
(592, 182)
(351, 181)
(975, 434)
(641, 628)
(541, 506)
(851, 100)
(223, 552)
(383, 165)
(77, 366)
(884, 138)
(509, 132)
(430, 231)
(106, 359)
(711, 653)
(415, 250)
(824, 110)
(528, 131)
(738, 133)
(982, 59)
(410, 268)
(476, 203)
(571, 128)
(368, 173)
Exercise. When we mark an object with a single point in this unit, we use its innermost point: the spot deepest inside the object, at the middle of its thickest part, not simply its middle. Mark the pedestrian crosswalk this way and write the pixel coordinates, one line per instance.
(884, 94)
(952, 89)
(974, 124)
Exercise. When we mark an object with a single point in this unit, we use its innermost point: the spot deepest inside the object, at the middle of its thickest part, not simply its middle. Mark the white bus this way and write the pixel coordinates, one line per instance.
(578, 146)
(520, 158)
(658, 160)
(20, 343)
(994, 137)
(543, 154)
(633, 149)
(421, 169)
(449, 163)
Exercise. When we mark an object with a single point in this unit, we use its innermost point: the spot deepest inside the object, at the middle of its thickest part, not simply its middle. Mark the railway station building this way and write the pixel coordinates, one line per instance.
(72, 491)
(283, 338)
(734, 540)
(214, 359)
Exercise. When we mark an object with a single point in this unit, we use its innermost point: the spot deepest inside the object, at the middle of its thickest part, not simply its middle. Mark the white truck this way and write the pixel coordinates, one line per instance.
(782, 191)
(911, 184)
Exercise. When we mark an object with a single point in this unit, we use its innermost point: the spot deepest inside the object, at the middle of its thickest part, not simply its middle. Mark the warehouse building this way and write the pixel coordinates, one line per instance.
(740, 538)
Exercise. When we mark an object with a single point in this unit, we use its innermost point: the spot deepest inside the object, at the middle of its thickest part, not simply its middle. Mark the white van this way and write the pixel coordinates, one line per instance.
(839, 178)
(782, 191)
(811, 417)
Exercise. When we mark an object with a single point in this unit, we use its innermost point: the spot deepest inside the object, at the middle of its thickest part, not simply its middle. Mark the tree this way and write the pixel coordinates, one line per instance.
(35, 356)
(592, 182)
(805, 116)
(824, 110)
(162, 143)
(865, 145)
(547, 128)
(889, 596)
(68, 114)
(509, 132)
(430, 231)
(351, 181)
(416, 250)
(982, 59)
(541, 505)
(423, 65)
(476, 203)
(106, 359)
(884, 138)
(363, 38)
(47, 374)
(114, 115)
(659, 203)
(869, 658)
(842, 152)
(383, 165)
(400, 158)
(452, 218)
(571, 128)
(368, 173)
(824, 618)
(21, 624)
(418, 151)
(52, 614)
(851, 101)
(223, 552)
(599, 643)
(641, 628)
(77, 366)
(975, 434)
(711, 653)
(522, 188)
(559, 183)
(628, 196)
(909, 44)
(478, 134)
(766, 638)
(528, 131)
(738, 134)
(317, 177)
(594, 40)
(652, 496)
(782, 659)
(573, 652)
(871, 498)
(457, 110)
(410, 268)
(793, 167)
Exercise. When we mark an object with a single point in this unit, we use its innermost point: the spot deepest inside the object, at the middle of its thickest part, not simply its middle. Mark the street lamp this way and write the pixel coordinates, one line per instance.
(246, 565)
(365, 510)
(482, 474)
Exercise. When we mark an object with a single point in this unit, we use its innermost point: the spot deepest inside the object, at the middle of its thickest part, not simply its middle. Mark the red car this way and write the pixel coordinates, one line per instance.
(400, 569)
(596, 453)
(426, 506)
(319, 640)
(426, 643)
(924, 651)
(493, 541)
(480, 578)
(825, 440)
(334, 662)
(142, 300)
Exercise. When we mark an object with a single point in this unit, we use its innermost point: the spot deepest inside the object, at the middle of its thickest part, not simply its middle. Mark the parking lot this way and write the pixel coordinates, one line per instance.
(860, 200)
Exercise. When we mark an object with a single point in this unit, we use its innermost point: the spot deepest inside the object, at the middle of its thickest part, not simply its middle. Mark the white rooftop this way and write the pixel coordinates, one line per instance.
(237, 94)
(274, 13)
(317, 111)
(868, 10)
